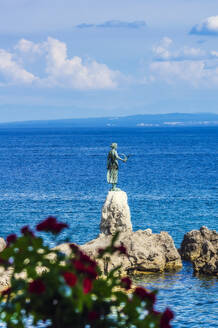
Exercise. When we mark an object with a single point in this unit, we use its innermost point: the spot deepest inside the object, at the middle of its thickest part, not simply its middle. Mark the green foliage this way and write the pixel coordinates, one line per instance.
(68, 290)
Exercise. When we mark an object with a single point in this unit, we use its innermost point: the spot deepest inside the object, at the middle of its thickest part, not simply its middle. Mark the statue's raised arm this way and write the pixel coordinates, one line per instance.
(112, 166)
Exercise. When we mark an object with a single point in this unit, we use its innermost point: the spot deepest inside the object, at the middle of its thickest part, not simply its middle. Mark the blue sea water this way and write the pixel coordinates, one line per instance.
(171, 182)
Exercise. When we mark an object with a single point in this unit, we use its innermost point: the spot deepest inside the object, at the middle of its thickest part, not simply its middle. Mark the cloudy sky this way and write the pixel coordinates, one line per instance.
(67, 58)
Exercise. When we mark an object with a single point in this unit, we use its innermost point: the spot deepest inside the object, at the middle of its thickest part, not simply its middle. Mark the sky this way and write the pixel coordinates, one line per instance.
(91, 58)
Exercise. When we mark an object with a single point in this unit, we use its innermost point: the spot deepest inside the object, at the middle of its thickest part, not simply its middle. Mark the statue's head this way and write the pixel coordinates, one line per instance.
(114, 145)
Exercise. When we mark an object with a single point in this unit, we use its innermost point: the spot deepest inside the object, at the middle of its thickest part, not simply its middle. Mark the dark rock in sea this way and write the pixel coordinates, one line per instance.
(201, 248)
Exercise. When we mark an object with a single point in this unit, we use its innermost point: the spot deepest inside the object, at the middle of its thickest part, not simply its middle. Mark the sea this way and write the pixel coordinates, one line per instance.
(171, 179)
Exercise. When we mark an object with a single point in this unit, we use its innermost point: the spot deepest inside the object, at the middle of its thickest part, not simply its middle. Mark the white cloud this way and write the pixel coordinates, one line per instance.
(195, 73)
(12, 71)
(26, 46)
(188, 64)
(163, 51)
(192, 71)
(190, 53)
(208, 26)
(60, 71)
(75, 73)
(214, 53)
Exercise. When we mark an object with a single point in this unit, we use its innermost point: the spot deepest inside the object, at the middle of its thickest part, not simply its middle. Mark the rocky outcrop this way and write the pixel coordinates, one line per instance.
(5, 278)
(201, 248)
(2, 244)
(115, 213)
(4, 275)
(146, 252)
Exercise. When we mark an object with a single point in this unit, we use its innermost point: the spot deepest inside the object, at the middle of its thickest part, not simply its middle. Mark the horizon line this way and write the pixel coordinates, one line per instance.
(106, 117)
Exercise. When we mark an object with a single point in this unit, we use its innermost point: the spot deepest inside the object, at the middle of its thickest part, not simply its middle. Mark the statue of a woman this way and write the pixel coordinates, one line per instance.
(112, 166)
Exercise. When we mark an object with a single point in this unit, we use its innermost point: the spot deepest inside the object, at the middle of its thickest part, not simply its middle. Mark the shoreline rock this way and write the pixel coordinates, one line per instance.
(201, 248)
(146, 252)
(2, 244)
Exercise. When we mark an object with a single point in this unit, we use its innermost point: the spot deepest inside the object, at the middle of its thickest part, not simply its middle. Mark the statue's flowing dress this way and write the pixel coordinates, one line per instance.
(112, 167)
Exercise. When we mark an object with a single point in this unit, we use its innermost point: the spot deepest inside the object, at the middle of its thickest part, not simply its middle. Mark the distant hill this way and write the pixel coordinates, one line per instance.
(162, 120)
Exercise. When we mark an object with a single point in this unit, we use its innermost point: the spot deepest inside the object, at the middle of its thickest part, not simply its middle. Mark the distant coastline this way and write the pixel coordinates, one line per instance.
(146, 120)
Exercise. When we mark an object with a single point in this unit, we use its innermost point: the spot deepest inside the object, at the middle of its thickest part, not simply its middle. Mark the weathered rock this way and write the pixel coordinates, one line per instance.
(2, 244)
(201, 248)
(5, 278)
(115, 213)
(146, 252)
(5, 275)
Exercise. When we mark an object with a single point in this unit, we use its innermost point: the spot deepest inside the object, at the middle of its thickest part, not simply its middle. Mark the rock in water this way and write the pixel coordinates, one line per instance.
(2, 244)
(115, 213)
(201, 248)
(5, 275)
(146, 252)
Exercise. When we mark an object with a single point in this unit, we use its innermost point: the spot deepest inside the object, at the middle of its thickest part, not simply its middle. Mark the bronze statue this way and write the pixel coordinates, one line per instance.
(112, 166)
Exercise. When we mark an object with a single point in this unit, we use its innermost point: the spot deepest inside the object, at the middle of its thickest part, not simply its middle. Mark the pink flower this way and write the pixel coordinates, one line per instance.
(50, 224)
(140, 292)
(87, 285)
(79, 266)
(82, 268)
(26, 231)
(93, 315)
(47, 224)
(91, 272)
(165, 319)
(86, 259)
(143, 294)
(6, 292)
(126, 283)
(11, 239)
(59, 227)
(152, 297)
(70, 278)
(36, 287)
(121, 249)
(74, 248)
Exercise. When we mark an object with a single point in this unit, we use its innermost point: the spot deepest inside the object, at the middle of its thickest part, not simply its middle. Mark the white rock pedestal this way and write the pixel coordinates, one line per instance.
(115, 214)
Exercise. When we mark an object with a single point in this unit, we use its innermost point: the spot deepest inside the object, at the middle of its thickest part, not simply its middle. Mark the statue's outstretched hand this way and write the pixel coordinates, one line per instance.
(124, 159)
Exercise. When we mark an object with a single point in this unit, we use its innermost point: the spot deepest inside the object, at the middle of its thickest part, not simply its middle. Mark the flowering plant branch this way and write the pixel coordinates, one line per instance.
(62, 290)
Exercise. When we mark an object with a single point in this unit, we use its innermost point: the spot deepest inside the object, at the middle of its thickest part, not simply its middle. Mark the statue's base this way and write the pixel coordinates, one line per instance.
(115, 214)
